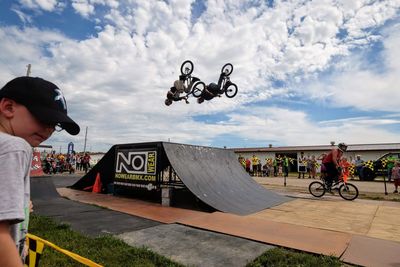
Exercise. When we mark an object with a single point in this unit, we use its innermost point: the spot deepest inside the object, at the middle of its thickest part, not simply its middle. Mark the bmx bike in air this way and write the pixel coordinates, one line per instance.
(224, 83)
(191, 84)
(346, 190)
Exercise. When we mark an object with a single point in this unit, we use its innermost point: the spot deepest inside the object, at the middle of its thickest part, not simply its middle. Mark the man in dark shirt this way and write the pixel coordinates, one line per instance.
(211, 91)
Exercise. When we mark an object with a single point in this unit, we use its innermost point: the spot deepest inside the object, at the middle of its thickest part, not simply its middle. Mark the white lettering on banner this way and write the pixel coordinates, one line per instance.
(136, 162)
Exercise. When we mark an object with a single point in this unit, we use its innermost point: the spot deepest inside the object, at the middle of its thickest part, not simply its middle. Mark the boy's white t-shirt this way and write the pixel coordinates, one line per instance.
(15, 163)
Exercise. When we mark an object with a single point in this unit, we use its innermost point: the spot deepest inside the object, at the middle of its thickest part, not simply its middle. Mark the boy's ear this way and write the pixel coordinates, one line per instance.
(7, 107)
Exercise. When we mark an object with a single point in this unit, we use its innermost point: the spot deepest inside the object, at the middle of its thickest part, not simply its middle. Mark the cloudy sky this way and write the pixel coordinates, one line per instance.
(308, 72)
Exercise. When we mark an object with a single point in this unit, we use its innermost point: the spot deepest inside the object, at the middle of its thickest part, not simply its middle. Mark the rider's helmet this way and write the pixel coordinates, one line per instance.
(342, 147)
(168, 102)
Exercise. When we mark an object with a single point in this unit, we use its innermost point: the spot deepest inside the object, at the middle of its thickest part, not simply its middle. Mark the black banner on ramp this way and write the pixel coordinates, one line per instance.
(215, 176)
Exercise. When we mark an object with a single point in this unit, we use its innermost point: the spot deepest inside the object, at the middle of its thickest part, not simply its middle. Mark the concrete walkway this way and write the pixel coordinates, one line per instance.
(292, 182)
(360, 232)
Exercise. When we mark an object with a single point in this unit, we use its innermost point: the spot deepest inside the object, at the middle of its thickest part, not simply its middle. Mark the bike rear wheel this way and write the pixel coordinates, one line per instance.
(227, 69)
(231, 90)
(187, 67)
(348, 191)
(198, 89)
(317, 189)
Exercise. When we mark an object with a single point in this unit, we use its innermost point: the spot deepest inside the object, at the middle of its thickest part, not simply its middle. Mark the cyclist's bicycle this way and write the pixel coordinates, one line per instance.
(191, 84)
(224, 83)
(346, 190)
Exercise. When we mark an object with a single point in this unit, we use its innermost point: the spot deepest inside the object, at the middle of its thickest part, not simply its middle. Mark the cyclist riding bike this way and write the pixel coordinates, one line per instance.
(332, 164)
(211, 91)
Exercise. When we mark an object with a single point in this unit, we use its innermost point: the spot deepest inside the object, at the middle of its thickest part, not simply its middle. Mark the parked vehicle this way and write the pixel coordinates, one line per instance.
(374, 168)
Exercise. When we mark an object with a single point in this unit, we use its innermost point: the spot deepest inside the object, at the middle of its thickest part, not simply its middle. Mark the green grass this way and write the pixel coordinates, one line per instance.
(279, 257)
(105, 250)
(109, 251)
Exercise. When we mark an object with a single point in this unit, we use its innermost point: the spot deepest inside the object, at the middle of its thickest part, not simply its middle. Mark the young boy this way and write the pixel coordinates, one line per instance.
(396, 176)
(30, 110)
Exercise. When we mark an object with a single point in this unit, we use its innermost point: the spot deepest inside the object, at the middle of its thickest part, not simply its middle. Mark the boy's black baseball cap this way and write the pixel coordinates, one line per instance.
(43, 99)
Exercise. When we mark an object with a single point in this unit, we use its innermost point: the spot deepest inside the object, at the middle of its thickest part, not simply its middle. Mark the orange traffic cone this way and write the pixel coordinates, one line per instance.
(97, 184)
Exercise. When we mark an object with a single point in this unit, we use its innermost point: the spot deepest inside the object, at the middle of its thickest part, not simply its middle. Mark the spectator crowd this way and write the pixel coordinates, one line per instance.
(307, 166)
(58, 163)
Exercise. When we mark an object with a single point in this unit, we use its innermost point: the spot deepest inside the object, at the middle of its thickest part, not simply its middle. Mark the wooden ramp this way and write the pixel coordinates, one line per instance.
(215, 176)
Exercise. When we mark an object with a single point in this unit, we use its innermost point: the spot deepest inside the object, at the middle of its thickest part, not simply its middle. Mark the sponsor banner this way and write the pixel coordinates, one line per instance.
(36, 165)
(70, 148)
(135, 168)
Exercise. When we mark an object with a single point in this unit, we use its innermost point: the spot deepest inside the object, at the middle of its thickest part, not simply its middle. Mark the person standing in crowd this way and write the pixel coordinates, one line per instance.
(322, 169)
(86, 162)
(78, 162)
(285, 164)
(248, 164)
(275, 165)
(359, 163)
(389, 165)
(302, 164)
(265, 169)
(30, 111)
(396, 176)
(254, 162)
(242, 161)
(308, 166)
(313, 167)
(332, 163)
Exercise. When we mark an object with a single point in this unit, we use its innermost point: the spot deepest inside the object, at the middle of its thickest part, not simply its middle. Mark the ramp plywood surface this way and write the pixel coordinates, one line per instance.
(283, 234)
(367, 251)
(216, 177)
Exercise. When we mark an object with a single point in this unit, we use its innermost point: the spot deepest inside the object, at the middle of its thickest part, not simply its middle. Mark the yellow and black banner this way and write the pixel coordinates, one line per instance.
(369, 164)
(36, 246)
(35, 250)
(384, 163)
(352, 169)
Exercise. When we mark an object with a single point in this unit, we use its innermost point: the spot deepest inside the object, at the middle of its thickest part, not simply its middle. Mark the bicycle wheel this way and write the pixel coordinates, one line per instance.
(227, 69)
(348, 191)
(231, 90)
(198, 89)
(317, 189)
(187, 67)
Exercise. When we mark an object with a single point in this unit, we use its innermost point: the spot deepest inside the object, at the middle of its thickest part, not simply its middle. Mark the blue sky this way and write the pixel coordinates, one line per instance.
(308, 72)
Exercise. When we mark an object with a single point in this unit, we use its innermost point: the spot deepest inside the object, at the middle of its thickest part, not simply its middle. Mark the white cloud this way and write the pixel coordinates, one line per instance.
(46, 5)
(83, 7)
(115, 81)
(361, 85)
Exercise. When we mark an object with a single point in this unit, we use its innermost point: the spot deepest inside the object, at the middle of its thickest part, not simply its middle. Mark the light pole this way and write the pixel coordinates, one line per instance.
(84, 146)
(28, 69)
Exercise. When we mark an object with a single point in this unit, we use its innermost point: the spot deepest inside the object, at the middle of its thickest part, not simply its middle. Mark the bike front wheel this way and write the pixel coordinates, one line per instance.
(348, 191)
(227, 69)
(231, 90)
(198, 88)
(317, 189)
(187, 67)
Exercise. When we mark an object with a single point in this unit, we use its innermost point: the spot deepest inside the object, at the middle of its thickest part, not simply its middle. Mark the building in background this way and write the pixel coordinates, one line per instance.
(367, 151)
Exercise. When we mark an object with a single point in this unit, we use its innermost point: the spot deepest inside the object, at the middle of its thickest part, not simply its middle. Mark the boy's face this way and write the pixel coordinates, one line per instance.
(26, 126)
